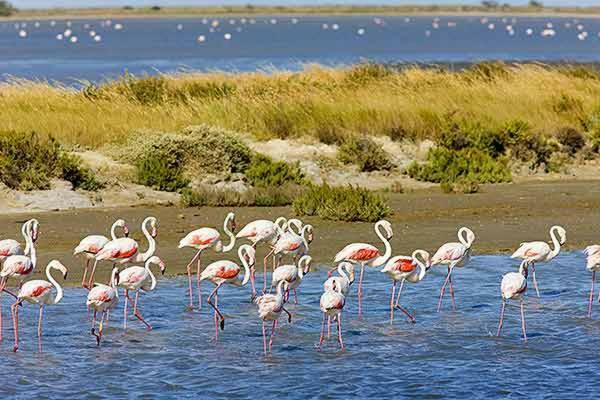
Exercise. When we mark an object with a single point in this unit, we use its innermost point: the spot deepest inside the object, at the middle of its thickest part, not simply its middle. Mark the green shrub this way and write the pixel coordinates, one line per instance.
(202, 149)
(364, 152)
(463, 185)
(6, 9)
(29, 163)
(341, 204)
(80, 177)
(571, 140)
(445, 165)
(263, 171)
(161, 170)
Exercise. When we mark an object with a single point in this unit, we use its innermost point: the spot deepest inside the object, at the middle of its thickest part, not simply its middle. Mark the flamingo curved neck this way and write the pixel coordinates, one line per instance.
(25, 232)
(152, 277)
(422, 267)
(31, 247)
(113, 231)
(342, 272)
(555, 242)
(388, 248)
(151, 242)
(304, 240)
(59, 290)
(113, 284)
(280, 291)
(463, 237)
(228, 233)
(241, 251)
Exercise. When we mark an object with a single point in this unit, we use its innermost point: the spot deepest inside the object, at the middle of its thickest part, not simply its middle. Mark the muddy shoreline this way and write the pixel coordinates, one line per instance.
(502, 216)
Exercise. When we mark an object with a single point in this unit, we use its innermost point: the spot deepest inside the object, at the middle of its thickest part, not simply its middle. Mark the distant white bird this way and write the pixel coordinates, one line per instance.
(270, 307)
(534, 252)
(331, 304)
(513, 286)
(343, 282)
(103, 298)
(292, 274)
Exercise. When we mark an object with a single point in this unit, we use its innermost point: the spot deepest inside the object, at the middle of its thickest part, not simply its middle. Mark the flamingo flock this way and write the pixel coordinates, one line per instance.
(132, 272)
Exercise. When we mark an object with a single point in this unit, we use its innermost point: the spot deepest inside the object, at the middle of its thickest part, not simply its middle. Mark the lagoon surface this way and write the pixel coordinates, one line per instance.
(451, 354)
(147, 46)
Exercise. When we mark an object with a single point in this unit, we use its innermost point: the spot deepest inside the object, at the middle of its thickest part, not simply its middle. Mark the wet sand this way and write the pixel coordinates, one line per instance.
(502, 216)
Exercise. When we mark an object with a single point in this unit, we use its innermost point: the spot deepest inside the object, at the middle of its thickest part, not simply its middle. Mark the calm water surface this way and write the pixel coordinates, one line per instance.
(153, 45)
(449, 354)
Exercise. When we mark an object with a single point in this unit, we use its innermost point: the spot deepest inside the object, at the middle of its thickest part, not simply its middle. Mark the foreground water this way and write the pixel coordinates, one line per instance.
(171, 44)
(450, 354)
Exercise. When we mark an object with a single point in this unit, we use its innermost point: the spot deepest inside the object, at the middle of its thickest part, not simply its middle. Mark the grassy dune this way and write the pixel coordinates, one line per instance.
(325, 104)
(298, 10)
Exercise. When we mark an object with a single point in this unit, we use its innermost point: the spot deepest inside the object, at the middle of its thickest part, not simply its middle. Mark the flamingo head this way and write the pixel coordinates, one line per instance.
(562, 234)
(121, 224)
(232, 223)
(249, 255)
(309, 233)
(388, 229)
(35, 230)
(154, 225)
(162, 266)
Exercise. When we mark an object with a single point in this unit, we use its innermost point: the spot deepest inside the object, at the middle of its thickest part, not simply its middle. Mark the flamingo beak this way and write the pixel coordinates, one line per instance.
(65, 275)
(117, 278)
(233, 226)
(154, 231)
(163, 268)
(126, 231)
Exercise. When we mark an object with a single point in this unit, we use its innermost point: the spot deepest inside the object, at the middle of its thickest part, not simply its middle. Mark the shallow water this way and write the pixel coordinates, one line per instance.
(152, 45)
(450, 354)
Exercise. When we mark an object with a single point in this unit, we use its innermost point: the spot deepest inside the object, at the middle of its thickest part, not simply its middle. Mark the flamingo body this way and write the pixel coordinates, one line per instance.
(358, 253)
(102, 298)
(121, 251)
(593, 258)
(18, 267)
(533, 252)
(9, 247)
(91, 245)
(452, 253)
(261, 230)
(201, 239)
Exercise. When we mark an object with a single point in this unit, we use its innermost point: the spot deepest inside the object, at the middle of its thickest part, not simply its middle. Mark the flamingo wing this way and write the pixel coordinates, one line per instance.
(357, 252)
(400, 264)
(449, 252)
(16, 266)
(532, 250)
(592, 250)
(121, 248)
(203, 237)
(10, 247)
(34, 289)
(512, 284)
(257, 230)
(91, 244)
(288, 273)
(332, 301)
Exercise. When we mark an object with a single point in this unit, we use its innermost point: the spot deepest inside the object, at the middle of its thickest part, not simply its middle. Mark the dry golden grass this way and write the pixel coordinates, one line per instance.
(319, 102)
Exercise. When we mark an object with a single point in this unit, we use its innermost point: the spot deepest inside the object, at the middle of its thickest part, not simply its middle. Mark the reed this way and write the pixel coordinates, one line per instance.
(325, 104)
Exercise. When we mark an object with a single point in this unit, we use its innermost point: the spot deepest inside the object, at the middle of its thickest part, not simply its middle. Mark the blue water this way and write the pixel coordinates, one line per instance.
(156, 45)
(451, 354)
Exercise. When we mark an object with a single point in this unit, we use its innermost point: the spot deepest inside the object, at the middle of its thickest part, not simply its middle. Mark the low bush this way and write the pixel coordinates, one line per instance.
(28, 162)
(463, 185)
(364, 152)
(162, 171)
(263, 171)
(201, 149)
(445, 165)
(342, 204)
(259, 197)
(571, 140)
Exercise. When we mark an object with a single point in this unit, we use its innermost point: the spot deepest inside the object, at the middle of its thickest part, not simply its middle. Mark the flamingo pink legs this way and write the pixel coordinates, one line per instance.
(3, 289)
(447, 282)
(360, 288)
(265, 261)
(523, 327)
(189, 273)
(338, 318)
(215, 306)
(591, 295)
(100, 328)
(535, 285)
(85, 271)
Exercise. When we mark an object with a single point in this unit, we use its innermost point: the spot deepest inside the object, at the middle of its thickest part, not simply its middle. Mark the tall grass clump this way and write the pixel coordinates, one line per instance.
(263, 171)
(364, 152)
(349, 203)
(254, 197)
(28, 162)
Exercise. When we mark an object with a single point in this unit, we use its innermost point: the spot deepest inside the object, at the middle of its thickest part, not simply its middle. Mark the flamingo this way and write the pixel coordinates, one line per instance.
(514, 285)
(410, 269)
(593, 265)
(293, 244)
(270, 307)
(534, 252)
(292, 274)
(343, 282)
(366, 254)
(454, 254)
(126, 250)
(224, 271)
(332, 303)
(10, 247)
(18, 266)
(202, 239)
(136, 278)
(263, 231)
(90, 245)
(102, 298)
(38, 292)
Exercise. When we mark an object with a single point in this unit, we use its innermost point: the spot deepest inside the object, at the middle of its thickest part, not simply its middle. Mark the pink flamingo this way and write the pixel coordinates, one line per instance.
(454, 254)
(270, 307)
(102, 298)
(514, 285)
(406, 269)
(202, 239)
(293, 244)
(263, 231)
(224, 271)
(125, 250)
(332, 303)
(10, 247)
(593, 265)
(366, 254)
(292, 274)
(136, 278)
(90, 245)
(19, 267)
(38, 292)
(534, 252)
(343, 281)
